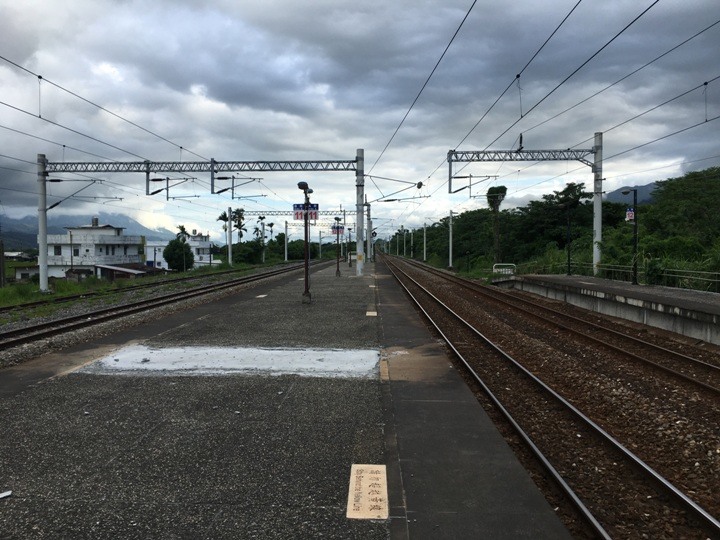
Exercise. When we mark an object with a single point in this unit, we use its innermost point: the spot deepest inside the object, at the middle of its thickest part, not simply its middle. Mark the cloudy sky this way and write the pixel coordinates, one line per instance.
(279, 80)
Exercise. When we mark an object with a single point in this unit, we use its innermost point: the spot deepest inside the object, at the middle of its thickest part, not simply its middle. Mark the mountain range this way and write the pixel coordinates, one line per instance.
(19, 234)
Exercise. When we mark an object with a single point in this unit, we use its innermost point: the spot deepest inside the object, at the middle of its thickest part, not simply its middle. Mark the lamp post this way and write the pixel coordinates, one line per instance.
(347, 250)
(307, 191)
(635, 233)
(337, 250)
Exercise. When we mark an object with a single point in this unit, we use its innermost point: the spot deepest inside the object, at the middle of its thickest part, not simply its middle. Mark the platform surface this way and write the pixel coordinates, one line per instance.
(242, 418)
(706, 302)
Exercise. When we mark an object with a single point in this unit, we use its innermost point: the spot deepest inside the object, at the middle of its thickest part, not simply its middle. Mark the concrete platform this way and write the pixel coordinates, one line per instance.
(695, 314)
(141, 434)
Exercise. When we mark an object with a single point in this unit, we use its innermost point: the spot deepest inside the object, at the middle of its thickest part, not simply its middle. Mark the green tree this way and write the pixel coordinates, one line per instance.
(238, 218)
(178, 255)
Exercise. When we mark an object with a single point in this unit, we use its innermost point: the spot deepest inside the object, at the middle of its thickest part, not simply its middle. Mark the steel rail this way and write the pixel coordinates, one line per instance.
(21, 336)
(502, 298)
(681, 497)
(544, 461)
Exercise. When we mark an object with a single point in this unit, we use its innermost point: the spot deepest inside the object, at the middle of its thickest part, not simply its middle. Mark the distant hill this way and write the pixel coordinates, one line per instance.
(644, 195)
(18, 234)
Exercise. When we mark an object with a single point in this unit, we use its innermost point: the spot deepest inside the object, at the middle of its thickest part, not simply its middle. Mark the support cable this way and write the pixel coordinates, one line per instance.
(575, 71)
(423, 86)
(40, 78)
(622, 79)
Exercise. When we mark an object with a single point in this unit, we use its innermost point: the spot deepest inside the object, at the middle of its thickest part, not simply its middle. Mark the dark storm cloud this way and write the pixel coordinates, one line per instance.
(294, 80)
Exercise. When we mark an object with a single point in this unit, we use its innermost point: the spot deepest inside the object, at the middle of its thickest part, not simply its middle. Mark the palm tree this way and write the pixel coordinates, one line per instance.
(182, 234)
(271, 225)
(495, 197)
(238, 217)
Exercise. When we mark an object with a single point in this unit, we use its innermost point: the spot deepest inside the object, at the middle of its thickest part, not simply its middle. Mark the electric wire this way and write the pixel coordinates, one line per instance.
(467, 14)
(502, 94)
(71, 130)
(647, 64)
(54, 142)
(574, 72)
(74, 94)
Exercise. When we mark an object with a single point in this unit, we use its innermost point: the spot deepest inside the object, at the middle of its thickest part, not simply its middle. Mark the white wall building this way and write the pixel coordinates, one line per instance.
(83, 248)
(199, 244)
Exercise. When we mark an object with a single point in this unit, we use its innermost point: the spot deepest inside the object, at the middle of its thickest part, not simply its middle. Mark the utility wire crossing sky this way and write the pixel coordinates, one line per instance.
(279, 80)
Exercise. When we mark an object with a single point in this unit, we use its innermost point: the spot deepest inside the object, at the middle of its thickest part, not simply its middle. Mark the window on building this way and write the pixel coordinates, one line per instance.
(76, 252)
(124, 250)
(57, 250)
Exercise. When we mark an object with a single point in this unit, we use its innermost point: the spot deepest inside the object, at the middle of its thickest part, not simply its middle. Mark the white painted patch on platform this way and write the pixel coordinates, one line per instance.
(140, 359)
(261, 296)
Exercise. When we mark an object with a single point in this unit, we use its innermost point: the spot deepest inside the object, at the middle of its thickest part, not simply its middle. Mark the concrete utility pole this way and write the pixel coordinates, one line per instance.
(424, 242)
(597, 201)
(42, 222)
(450, 261)
(368, 250)
(229, 236)
(360, 200)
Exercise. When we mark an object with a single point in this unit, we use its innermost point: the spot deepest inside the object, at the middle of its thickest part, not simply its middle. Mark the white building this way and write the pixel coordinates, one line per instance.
(85, 248)
(199, 244)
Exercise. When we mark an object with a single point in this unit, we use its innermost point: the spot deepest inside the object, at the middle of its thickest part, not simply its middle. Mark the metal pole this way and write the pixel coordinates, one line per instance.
(286, 241)
(567, 242)
(450, 262)
(319, 244)
(42, 223)
(229, 236)
(306, 294)
(262, 241)
(337, 252)
(368, 234)
(424, 242)
(360, 224)
(597, 201)
(635, 239)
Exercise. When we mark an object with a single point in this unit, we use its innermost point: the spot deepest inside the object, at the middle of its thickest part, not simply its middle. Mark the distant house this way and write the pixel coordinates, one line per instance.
(199, 244)
(91, 249)
(19, 256)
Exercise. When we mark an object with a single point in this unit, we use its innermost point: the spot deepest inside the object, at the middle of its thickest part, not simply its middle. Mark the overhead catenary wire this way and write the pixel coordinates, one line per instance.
(510, 84)
(447, 47)
(104, 109)
(574, 72)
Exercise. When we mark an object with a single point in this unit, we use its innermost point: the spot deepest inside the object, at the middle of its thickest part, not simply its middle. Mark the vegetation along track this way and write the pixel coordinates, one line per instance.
(123, 289)
(641, 452)
(42, 330)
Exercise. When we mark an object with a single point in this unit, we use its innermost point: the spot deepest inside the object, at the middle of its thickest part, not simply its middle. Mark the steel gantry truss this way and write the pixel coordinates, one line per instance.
(46, 167)
(457, 156)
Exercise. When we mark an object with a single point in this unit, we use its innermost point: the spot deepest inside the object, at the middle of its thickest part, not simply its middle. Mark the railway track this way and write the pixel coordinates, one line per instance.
(617, 492)
(690, 369)
(44, 330)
